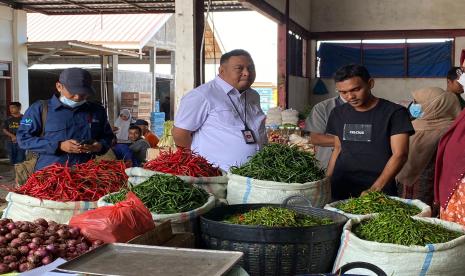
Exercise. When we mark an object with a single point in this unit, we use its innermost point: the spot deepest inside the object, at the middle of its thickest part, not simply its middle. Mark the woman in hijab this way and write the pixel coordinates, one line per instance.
(122, 125)
(449, 181)
(434, 111)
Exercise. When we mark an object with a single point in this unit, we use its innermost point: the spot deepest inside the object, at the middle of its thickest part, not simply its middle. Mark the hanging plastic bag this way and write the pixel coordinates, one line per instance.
(118, 223)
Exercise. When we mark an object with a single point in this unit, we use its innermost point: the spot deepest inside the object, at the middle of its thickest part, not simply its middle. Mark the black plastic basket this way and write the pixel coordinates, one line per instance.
(277, 250)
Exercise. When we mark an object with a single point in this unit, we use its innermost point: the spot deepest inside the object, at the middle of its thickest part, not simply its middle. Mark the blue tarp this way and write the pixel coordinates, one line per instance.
(388, 60)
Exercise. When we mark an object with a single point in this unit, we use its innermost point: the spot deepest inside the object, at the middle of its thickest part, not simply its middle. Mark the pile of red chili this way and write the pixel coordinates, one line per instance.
(182, 162)
(82, 182)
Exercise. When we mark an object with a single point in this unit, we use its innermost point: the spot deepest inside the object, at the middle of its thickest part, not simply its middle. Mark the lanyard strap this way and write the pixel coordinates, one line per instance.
(245, 110)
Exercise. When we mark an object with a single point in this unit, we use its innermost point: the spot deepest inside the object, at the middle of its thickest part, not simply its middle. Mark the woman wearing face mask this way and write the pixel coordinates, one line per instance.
(74, 130)
(434, 111)
(122, 125)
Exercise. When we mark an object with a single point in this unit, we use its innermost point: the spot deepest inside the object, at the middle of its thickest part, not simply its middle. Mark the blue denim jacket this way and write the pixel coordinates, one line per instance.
(88, 121)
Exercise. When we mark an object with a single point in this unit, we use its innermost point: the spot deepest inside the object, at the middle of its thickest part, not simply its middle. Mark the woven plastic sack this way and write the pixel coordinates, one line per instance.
(28, 208)
(425, 208)
(216, 185)
(180, 222)
(432, 259)
(243, 190)
(118, 223)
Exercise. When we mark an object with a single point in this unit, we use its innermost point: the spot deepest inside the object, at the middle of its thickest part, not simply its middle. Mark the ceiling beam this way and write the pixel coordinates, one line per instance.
(275, 15)
(134, 5)
(80, 5)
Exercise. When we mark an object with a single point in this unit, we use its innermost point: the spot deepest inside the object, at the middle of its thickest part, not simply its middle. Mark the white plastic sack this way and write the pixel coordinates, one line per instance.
(27, 208)
(180, 222)
(425, 208)
(273, 117)
(242, 190)
(216, 185)
(432, 259)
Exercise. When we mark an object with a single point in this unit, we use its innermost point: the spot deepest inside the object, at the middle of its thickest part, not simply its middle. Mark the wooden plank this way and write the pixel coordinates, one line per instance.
(161, 234)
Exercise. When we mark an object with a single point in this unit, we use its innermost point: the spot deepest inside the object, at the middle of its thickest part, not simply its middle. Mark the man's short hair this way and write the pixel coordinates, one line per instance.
(350, 71)
(133, 126)
(234, 53)
(452, 73)
(17, 104)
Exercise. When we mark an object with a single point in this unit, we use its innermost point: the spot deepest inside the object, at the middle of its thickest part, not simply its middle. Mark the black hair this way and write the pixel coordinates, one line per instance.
(452, 73)
(17, 104)
(234, 53)
(133, 126)
(350, 71)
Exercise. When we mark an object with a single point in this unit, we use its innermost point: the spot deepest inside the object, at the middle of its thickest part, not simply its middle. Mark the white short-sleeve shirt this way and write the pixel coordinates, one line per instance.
(209, 111)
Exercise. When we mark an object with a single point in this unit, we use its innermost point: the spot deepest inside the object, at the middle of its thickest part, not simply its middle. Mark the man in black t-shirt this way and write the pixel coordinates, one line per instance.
(371, 137)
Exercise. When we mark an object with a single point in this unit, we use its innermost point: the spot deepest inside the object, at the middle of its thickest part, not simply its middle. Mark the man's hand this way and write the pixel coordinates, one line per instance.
(372, 189)
(13, 138)
(95, 147)
(70, 146)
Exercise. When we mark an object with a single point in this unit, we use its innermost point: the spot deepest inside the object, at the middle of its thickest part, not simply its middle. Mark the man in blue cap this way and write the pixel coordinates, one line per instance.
(74, 130)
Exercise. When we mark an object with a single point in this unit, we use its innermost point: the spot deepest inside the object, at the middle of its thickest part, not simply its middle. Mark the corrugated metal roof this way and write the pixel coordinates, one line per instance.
(114, 31)
(62, 7)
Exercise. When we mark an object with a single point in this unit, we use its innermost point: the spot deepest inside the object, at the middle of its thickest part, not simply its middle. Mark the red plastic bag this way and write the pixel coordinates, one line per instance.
(118, 223)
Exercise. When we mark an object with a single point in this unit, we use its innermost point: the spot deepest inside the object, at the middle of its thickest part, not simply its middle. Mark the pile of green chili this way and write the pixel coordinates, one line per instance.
(165, 194)
(399, 228)
(276, 217)
(375, 202)
(281, 163)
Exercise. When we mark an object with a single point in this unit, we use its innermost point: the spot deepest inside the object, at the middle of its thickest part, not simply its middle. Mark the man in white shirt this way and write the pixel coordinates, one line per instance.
(222, 119)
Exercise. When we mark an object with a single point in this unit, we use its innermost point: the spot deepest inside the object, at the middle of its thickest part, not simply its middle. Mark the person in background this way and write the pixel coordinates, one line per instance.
(371, 137)
(316, 125)
(15, 153)
(434, 111)
(166, 107)
(138, 146)
(124, 153)
(122, 124)
(453, 84)
(151, 138)
(222, 119)
(449, 180)
(75, 130)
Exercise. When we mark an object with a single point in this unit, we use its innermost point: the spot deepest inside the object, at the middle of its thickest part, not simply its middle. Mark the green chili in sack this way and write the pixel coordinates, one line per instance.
(281, 163)
(165, 194)
(375, 202)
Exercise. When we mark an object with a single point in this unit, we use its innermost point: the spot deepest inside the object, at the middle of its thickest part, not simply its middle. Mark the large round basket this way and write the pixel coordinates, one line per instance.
(277, 250)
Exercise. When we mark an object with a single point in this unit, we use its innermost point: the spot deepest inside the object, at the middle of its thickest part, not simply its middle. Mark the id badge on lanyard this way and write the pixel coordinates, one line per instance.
(249, 138)
(248, 135)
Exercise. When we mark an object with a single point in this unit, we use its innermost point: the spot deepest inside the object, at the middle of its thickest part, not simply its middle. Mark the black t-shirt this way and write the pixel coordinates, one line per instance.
(365, 145)
(12, 124)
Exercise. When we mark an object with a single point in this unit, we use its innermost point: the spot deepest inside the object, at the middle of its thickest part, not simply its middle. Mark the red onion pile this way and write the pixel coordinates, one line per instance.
(26, 245)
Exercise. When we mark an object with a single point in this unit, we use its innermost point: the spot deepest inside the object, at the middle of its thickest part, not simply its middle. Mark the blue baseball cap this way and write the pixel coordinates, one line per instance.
(140, 122)
(77, 81)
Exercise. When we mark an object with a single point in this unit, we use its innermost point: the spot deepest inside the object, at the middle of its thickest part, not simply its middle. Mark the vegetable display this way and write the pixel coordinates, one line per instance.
(27, 245)
(82, 182)
(281, 163)
(182, 162)
(399, 228)
(375, 202)
(166, 139)
(165, 194)
(276, 217)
